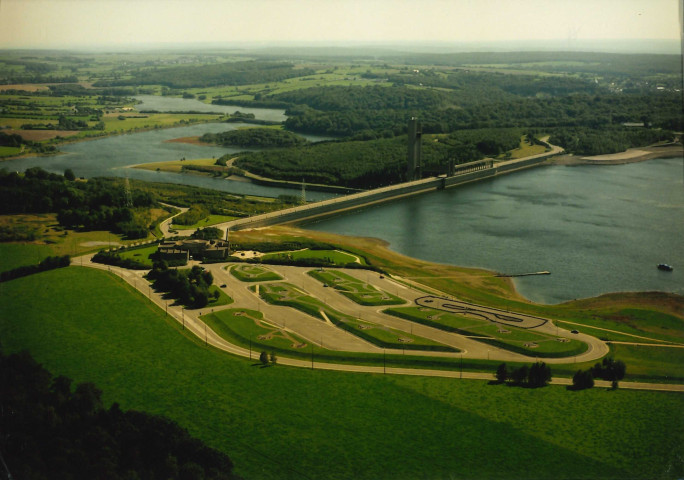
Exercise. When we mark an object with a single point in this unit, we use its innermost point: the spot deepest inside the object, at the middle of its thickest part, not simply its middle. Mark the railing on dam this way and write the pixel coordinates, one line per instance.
(464, 173)
(473, 166)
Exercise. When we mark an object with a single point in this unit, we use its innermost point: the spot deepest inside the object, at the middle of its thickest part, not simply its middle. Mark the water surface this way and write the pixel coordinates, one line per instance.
(597, 229)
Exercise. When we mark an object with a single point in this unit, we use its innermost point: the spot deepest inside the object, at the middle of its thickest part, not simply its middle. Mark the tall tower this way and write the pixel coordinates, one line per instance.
(414, 163)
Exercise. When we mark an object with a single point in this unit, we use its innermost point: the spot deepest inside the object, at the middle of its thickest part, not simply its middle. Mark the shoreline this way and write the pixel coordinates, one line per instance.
(632, 155)
(69, 141)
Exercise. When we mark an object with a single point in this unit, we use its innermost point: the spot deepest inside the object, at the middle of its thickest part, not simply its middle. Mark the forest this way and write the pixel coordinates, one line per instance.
(52, 429)
(346, 111)
(374, 163)
(94, 205)
(229, 73)
(255, 137)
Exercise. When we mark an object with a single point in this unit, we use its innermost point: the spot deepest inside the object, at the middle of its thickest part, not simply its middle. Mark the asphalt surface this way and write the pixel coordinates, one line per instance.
(321, 333)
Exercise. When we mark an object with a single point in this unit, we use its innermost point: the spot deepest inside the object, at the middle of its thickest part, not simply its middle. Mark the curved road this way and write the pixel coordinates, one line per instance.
(317, 331)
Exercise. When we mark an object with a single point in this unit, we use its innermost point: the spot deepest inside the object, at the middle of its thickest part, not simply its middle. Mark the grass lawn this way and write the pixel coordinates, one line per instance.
(354, 289)
(9, 151)
(223, 298)
(281, 423)
(253, 273)
(13, 255)
(334, 257)
(507, 337)
(206, 222)
(141, 255)
(288, 295)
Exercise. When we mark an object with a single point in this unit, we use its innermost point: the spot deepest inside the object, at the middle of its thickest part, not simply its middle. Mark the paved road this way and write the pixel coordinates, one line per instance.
(190, 319)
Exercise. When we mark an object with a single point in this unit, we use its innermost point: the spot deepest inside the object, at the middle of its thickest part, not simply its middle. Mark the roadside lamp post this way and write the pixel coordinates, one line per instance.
(206, 338)
(183, 318)
(167, 307)
(461, 365)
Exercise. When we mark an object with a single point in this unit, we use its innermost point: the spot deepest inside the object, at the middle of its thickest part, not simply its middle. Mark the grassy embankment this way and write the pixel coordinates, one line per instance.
(655, 316)
(283, 422)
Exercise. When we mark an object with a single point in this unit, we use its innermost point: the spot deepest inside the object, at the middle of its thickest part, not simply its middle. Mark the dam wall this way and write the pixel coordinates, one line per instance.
(379, 195)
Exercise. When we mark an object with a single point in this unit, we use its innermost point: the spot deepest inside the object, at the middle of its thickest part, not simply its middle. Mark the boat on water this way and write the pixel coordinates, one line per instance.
(665, 267)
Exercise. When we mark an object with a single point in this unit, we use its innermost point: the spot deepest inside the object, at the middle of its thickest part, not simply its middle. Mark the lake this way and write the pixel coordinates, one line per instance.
(174, 104)
(597, 229)
(110, 156)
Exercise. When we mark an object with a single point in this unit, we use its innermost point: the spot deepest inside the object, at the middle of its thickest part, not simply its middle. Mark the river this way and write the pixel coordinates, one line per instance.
(597, 229)
(111, 156)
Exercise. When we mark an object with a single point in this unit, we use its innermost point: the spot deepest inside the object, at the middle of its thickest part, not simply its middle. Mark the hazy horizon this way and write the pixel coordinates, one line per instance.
(621, 26)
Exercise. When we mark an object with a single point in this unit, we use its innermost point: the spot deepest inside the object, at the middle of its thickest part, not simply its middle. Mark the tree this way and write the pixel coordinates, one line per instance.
(539, 375)
(273, 358)
(582, 379)
(263, 358)
(69, 175)
(610, 369)
(519, 375)
(502, 373)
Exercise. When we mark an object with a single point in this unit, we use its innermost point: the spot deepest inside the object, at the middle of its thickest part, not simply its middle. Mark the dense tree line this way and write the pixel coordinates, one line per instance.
(189, 287)
(229, 73)
(255, 137)
(49, 263)
(51, 429)
(475, 106)
(534, 376)
(587, 141)
(93, 205)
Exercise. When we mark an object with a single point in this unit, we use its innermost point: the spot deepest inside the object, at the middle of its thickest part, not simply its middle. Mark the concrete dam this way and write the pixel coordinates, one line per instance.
(464, 173)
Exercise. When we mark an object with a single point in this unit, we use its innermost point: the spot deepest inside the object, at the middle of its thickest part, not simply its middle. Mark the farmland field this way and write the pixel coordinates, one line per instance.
(439, 428)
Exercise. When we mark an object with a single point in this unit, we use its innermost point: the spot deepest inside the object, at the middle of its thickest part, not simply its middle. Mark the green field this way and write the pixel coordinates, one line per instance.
(288, 295)
(206, 222)
(13, 255)
(141, 255)
(283, 422)
(9, 151)
(334, 257)
(508, 337)
(354, 289)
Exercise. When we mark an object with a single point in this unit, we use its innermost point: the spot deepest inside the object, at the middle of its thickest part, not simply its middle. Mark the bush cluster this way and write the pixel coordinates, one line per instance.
(189, 287)
(534, 376)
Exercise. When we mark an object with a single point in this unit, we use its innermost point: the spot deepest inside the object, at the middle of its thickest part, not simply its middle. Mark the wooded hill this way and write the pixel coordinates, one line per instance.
(375, 163)
(229, 73)
(255, 137)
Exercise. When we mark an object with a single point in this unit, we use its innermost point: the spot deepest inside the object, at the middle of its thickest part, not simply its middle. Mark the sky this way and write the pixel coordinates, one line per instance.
(91, 24)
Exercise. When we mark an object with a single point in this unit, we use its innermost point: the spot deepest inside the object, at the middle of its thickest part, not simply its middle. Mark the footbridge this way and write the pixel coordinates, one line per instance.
(464, 173)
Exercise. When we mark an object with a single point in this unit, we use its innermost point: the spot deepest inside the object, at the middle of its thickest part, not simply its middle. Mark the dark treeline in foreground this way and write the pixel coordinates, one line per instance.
(52, 430)
(97, 204)
(49, 263)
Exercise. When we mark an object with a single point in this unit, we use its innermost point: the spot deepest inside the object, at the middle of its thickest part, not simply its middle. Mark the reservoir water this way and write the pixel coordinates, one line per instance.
(173, 104)
(111, 156)
(597, 229)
